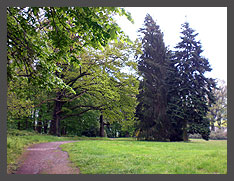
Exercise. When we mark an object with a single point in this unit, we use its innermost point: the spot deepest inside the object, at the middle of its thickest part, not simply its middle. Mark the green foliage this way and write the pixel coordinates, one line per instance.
(19, 103)
(68, 65)
(100, 84)
(42, 38)
(48, 48)
(15, 132)
(152, 66)
(122, 129)
(190, 98)
(113, 130)
(217, 114)
(84, 125)
(174, 93)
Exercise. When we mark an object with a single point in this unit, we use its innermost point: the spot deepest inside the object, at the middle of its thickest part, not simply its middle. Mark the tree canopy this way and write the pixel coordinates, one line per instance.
(55, 56)
(39, 39)
(73, 71)
(174, 93)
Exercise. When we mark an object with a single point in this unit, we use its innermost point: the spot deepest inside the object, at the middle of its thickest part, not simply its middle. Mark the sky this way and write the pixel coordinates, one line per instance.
(209, 22)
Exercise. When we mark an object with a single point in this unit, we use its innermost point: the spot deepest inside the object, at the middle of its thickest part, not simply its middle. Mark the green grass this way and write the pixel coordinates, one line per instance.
(128, 156)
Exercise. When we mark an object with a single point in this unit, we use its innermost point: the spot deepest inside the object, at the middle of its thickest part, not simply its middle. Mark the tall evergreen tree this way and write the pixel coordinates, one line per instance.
(152, 98)
(192, 93)
(174, 103)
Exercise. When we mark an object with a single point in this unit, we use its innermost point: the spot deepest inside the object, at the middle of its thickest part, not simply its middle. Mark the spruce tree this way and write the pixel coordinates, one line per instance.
(152, 97)
(192, 92)
(174, 103)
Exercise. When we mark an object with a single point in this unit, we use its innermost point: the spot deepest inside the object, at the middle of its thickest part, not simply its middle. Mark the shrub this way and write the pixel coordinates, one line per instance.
(214, 135)
(218, 135)
(195, 136)
(16, 132)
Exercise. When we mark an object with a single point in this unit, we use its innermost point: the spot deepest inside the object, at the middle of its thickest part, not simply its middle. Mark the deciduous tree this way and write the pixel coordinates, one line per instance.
(39, 39)
(218, 111)
(99, 84)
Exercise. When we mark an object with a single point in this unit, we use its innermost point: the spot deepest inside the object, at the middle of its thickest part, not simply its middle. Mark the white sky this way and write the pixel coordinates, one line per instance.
(209, 22)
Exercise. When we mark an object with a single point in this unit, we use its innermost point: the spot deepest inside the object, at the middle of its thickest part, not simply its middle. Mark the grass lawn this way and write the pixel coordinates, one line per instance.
(128, 156)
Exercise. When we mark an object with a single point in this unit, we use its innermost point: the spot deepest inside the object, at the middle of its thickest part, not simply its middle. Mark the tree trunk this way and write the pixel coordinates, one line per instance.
(55, 122)
(39, 122)
(212, 127)
(18, 125)
(58, 129)
(39, 126)
(101, 126)
(33, 126)
(64, 131)
(34, 120)
(26, 123)
(185, 133)
(45, 126)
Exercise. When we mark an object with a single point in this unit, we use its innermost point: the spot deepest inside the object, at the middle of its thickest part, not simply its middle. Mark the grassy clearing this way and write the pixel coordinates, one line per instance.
(17, 141)
(127, 156)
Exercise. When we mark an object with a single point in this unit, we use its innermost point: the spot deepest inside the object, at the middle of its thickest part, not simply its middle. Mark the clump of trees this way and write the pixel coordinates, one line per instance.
(174, 94)
(64, 70)
(72, 71)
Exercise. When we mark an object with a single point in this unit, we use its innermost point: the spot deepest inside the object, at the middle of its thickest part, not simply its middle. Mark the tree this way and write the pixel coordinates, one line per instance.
(18, 104)
(218, 111)
(86, 124)
(24, 105)
(99, 84)
(174, 111)
(43, 41)
(152, 66)
(194, 91)
(39, 39)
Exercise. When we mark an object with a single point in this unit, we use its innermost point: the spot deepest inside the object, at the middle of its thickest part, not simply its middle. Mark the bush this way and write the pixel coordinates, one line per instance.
(195, 136)
(214, 135)
(218, 135)
(16, 132)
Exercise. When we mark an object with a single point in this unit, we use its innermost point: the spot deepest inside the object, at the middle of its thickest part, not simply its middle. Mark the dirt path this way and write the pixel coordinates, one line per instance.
(46, 158)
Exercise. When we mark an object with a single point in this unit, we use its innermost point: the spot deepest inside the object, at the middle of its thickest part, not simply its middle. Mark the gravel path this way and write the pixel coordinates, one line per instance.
(46, 158)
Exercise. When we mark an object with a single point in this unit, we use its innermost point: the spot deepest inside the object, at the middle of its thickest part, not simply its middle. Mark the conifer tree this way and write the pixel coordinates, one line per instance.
(174, 103)
(152, 65)
(193, 91)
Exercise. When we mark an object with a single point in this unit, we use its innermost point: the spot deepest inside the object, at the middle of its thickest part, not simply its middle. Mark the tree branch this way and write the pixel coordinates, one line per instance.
(71, 82)
(92, 107)
(47, 100)
(77, 96)
(78, 114)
